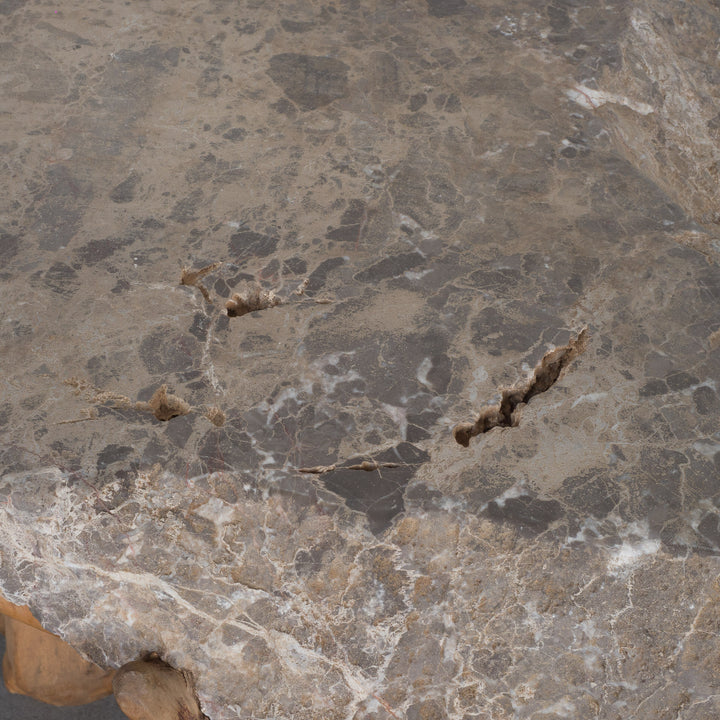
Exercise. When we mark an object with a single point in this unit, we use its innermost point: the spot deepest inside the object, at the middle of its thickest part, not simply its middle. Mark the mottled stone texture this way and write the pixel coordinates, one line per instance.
(437, 192)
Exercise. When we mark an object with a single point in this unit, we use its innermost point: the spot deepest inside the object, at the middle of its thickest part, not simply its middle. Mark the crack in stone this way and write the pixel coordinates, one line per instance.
(192, 278)
(254, 298)
(504, 413)
(250, 300)
(366, 465)
(163, 405)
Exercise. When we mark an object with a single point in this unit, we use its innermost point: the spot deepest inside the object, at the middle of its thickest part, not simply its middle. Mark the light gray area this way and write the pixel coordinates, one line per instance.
(438, 192)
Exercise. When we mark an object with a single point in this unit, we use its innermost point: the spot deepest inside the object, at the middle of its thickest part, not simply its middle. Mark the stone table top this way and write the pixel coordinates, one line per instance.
(425, 197)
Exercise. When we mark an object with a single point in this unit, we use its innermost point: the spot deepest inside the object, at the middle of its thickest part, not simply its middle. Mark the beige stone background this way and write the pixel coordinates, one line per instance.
(464, 186)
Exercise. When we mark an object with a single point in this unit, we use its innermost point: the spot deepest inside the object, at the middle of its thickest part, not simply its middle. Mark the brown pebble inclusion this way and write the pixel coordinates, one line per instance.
(438, 194)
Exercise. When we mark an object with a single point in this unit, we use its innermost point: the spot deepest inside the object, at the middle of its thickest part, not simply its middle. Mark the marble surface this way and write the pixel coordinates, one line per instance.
(428, 196)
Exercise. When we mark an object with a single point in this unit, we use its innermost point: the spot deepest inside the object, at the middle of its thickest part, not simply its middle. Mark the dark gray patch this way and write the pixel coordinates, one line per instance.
(20, 329)
(179, 430)
(706, 400)
(59, 219)
(418, 120)
(310, 561)
(5, 413)
(310, 81)
(284, 107)
(442, 190)
(709, 528)
(200, 325)
(225, 488)
(483, 486)
(417, 101)
(344, 391)
(295, 265)
(246, 28)
(500, 281)
(318, 277)
(222, 288)
(295, 26)
(409, 192)
(209, 84)
(445, 8)
(166, 351)
(680, 380)
(32, 402)
(270, 269)
(653, 387)
(121, 286)
(446, 57)
(204, 170)
(235, 134)
(172, 56)
(600, 227)
(419, 423)
(235, 279)
(591, 494)
(390, 267)
(493, 664)
(253, 341)
(10, 6)
(153, 57)
(714, 123)
(453, 104)
(102, 370)
(97, 250)
(351, 223)
(212, 168)
(660, 465)
(247, 244)
(709, 281)
(383, 77)
(427, 709)
(124, 192)
(702, 479)
(61, 279)
(228, 448)
(521, 184)
(502, 85)
(575, 283)
(611, 56)
(149, 256)
(185, 210)
(9, 245)
(619, 187)
(558, 17)
(526, 512)
(440, 372)
(112, 454)
(199, 527)
(126, 91)
(517, 331)
(420, 495)
(377, 493)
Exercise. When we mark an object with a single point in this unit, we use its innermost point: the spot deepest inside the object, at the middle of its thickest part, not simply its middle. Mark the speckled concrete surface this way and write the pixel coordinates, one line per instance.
(437, 193)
